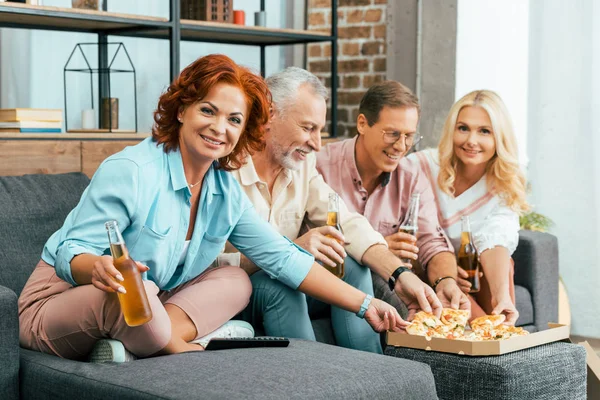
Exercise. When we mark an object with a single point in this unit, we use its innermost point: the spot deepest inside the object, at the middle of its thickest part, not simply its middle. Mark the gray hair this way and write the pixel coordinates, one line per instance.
(284, 86)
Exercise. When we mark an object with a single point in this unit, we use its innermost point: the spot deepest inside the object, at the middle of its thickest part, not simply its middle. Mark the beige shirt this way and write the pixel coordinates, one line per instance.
(303, 195)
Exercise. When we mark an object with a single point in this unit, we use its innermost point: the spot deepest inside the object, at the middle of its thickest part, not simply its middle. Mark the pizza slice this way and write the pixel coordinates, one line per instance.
(455, 319)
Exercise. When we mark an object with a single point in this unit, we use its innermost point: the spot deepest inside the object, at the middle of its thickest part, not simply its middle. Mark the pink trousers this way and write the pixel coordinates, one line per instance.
(59, 319)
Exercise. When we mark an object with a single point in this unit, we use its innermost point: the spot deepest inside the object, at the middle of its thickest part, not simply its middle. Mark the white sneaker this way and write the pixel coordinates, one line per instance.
(231, 329)
(110, 350)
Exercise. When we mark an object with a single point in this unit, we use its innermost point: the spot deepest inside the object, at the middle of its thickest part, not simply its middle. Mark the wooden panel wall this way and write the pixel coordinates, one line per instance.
(93, 153)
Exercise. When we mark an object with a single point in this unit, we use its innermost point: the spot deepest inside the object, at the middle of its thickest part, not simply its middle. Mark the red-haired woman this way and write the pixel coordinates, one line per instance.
(176, 205)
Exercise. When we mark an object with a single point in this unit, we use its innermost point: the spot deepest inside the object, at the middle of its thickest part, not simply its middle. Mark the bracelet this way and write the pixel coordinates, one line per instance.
(364, 306)
(438, 280)
(395, 275)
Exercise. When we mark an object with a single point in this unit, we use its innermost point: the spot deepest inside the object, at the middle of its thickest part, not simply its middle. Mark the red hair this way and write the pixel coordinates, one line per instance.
(193, 84)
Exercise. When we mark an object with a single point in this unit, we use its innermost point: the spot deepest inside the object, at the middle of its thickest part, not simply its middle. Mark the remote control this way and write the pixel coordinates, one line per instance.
(241, 343)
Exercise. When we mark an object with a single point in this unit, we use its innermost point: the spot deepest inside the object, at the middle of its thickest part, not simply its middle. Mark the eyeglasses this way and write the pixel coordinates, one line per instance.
(410, 140)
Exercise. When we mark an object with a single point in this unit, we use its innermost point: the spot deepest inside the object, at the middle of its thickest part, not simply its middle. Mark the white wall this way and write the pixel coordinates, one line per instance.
(564, 143)
(33, 76)
(492, 53)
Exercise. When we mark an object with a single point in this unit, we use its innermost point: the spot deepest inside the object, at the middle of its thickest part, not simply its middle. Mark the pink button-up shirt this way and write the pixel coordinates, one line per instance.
(387, 206)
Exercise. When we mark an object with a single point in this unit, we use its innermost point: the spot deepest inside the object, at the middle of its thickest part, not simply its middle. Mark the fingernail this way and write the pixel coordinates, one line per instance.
(120, 277)
(122, 290)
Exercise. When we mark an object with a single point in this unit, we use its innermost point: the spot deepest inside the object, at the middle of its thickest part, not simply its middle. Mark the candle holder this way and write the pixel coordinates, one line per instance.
(85, 59)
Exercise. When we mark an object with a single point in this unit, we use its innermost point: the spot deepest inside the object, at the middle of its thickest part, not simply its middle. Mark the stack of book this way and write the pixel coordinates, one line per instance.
(30, 120)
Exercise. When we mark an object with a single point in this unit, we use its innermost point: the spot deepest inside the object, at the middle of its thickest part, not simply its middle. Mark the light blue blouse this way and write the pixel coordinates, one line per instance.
(145, 190)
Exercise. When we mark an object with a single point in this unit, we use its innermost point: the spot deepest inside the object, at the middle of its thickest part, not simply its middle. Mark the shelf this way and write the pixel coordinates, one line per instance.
(73, 136)
(15, 15)
(240, 34)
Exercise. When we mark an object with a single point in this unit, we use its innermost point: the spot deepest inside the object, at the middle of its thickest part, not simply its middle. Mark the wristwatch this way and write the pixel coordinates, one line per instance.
(395, 275)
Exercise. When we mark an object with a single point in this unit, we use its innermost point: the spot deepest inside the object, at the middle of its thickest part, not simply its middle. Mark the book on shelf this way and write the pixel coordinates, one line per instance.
(31, 124)
(30, 114)
(30, 130)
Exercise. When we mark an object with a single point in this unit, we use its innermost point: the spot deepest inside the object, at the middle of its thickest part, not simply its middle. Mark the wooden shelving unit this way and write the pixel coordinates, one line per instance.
(65, 152)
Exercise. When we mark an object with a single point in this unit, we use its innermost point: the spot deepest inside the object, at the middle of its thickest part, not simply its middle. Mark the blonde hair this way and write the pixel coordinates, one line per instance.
(503, 174)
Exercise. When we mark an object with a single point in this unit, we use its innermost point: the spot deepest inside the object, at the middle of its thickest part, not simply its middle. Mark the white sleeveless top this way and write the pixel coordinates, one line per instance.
(184, 252)
(492, 222)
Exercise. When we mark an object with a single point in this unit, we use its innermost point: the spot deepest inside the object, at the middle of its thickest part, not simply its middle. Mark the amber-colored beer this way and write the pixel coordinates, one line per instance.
(467, 256)
(134, 304)
(332, 220)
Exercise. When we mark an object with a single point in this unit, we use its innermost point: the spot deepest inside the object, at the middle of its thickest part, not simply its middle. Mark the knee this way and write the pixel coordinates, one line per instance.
(356, 273)
(273, 292)
(241, 287)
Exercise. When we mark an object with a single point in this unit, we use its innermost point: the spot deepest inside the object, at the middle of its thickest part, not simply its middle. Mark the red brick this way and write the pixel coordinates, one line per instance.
(314, 50)
(355, 113)
(379, 31)
(355, 16)
(370, 80)
(349, 98)
(316, 19)
(380, 1)
(350, 49)
(327, 50)
(319, 4)
(379, 65)
(319, 66)
(353, 3)
(354, 66)
(354, 32)
(373, 15)
(371, 48)
(351, 82)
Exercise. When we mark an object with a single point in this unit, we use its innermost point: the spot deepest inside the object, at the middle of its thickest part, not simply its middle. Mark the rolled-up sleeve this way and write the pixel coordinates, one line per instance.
(278, 256)
(500, 228)
(111, 195)
(431, 238)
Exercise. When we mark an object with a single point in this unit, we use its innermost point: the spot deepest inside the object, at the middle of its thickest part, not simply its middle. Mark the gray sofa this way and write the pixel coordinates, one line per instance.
(32, 207)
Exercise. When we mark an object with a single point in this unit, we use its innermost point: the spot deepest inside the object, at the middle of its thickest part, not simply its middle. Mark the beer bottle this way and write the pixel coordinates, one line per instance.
(467, 255)
(333, 220)
(134, 304)
(411, 222)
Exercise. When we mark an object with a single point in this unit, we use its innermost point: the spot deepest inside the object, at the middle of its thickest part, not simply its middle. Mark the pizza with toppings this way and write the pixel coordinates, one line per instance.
(452, 325)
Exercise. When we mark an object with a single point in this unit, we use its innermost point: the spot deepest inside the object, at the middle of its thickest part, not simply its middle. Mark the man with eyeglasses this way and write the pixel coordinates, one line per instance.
(373, 179)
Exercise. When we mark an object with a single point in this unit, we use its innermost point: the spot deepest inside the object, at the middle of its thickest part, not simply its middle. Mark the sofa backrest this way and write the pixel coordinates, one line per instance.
(32, 208)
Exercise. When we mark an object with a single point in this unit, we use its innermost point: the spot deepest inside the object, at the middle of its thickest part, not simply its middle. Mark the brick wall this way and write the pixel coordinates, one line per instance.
(361, 52)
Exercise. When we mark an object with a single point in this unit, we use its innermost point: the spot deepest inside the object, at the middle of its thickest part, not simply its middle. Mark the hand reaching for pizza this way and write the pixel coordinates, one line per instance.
(383, 317)
(506, 307)
(417, 295)
(451, 296)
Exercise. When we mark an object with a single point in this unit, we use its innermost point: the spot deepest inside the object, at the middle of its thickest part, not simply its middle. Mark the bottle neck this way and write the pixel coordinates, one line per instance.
(115, 241)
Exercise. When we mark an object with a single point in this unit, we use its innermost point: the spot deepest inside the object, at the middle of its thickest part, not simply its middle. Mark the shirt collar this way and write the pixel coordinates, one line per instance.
(178, 179)
(349, 158)
(176, 169)
(248, 175)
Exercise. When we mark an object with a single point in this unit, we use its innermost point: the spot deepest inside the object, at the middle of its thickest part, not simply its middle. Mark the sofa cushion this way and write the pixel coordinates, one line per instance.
(32, 208)
(524, 305)
(304, 370)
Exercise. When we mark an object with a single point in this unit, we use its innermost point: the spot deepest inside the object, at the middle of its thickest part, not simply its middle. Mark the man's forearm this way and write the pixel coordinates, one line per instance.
(381, 260)
(442, 264)
(248, 265)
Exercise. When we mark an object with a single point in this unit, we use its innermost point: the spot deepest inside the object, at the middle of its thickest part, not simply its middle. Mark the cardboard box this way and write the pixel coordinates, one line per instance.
(555, 333)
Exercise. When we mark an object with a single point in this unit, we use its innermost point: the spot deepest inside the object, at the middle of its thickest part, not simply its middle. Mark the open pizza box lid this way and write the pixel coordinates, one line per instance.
(593, 372)
(556, 332)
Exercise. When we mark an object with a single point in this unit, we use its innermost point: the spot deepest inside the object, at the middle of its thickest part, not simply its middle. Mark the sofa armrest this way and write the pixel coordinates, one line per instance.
(9, 344)
(536, 269)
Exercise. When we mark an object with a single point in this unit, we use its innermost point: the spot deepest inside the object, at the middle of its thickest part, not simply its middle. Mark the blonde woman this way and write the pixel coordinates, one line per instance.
(476, 172)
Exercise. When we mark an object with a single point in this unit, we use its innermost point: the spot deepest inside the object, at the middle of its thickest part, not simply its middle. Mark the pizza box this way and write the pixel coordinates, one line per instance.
(556, 332)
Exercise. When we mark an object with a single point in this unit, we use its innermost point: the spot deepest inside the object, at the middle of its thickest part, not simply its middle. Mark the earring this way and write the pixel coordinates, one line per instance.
(179, 119)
